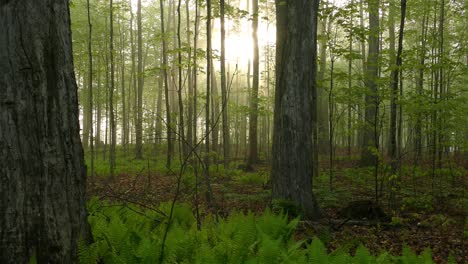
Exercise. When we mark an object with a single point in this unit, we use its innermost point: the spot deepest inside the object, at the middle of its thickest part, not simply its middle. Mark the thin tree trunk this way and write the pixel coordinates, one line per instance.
(170, 148)
(180, 84)
(195, 72)
(253, 115)
(322, 114)
(139, 113)
(208, 193)
(189, 138)
(111, 92)
(122, 88)
(224, 109)
(395, 159)
(90, 87)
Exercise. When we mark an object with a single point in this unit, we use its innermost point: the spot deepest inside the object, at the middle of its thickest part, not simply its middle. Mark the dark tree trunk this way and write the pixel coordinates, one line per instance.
(42, 172)
(296, 54)
(139, 95)
(393, 151)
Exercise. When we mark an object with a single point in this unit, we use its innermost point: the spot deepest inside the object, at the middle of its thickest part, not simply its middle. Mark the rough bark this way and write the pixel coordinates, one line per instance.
(296, 54)
(42, 172)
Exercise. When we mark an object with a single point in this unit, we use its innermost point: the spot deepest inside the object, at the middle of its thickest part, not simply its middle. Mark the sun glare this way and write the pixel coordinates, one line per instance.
(239, 45)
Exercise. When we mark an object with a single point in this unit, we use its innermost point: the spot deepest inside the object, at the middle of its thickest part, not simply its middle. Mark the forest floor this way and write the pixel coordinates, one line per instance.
(432, 210)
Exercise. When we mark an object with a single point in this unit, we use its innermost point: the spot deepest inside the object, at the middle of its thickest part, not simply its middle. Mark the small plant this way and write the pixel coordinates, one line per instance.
(287, 207)
(420, 203)
(252, 178)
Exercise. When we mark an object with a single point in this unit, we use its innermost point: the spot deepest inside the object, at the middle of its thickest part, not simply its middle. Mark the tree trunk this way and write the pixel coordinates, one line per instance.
(113, 134)
(179, 88)
(139, 95)
(420, 86)
(393, 151)
(122, 89)
(170, 148)
(296, 54)
(224, 109)
(189, 138)
(195, 72)
(43, 175)
(90, 87)
(208, 193)
(253, 115)
(322, 95)
(371, 117)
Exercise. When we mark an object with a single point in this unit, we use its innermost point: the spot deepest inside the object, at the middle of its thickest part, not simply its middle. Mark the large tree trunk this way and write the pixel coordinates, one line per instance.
(371, 136)
(42, 172)
(296, 54)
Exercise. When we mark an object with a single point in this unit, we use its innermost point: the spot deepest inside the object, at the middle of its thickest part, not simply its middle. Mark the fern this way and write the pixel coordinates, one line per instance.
(317, 252)
(132, 235)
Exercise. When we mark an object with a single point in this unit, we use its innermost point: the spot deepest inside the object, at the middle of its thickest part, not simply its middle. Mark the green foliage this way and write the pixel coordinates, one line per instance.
(286, 206)
(422, 202)
(252, 178)
(131, 235)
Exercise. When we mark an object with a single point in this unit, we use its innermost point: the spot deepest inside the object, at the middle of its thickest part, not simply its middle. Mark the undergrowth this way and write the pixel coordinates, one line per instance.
(129, 234)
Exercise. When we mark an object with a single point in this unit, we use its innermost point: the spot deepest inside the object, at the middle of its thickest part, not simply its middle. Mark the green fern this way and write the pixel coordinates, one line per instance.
(128, 234)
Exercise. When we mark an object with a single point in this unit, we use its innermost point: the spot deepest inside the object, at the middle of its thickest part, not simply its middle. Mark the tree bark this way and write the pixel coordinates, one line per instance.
(253, 115)
(323, 132)
(113, 134)
(393, 151)
(90, 87)
(139, 95)
(224, 108)
(208, 193)
(170, 147)
(371, 116)
(42, 172)
(296, 68)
